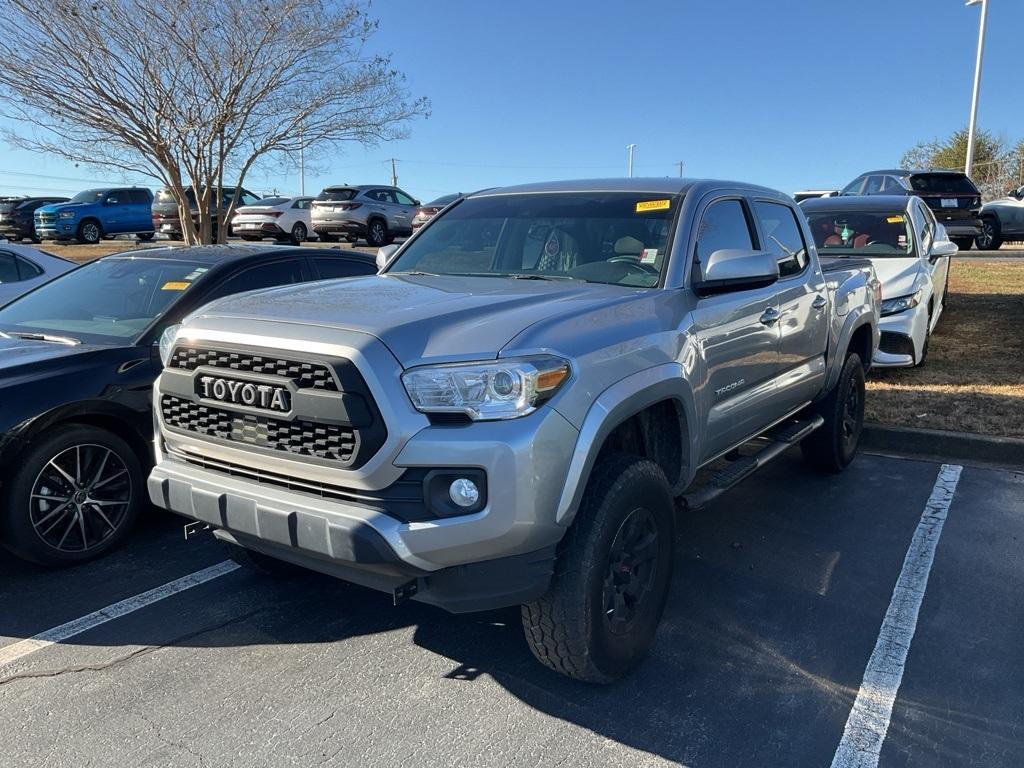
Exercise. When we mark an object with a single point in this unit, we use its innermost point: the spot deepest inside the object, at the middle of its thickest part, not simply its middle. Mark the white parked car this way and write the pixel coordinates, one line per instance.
(23, 268)
(911, 253)
(282, 218)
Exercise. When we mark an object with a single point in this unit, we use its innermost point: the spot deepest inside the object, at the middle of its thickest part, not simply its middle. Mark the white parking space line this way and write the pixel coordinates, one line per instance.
(23, 648)
(868, 722)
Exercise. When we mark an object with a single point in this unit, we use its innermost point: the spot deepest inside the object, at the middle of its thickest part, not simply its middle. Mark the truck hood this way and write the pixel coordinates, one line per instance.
(422, 318)
(900, 277)
(58, 207)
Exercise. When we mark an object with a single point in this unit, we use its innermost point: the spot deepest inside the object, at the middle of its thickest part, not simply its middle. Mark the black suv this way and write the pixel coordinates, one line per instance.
(953, 198)
(17, 216)
(165, 210)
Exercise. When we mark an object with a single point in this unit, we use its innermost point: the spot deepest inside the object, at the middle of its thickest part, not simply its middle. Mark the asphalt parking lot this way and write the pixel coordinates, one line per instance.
(782, 588)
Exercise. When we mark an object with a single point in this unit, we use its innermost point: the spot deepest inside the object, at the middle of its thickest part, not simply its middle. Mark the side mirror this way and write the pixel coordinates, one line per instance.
(737, 269)
(416, 202)
(384, 254)
(942, 248)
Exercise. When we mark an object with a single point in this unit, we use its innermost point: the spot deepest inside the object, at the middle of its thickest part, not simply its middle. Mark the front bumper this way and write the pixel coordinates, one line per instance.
(62, 229)
(13, 230)
(273, 503)
(902, 340)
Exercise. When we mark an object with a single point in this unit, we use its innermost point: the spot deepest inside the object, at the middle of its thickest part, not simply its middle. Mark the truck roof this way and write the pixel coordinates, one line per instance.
(856, 203)
(664, 185)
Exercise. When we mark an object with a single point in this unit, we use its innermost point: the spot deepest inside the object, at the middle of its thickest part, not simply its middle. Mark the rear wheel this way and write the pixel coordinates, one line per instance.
(377, 233)
(833, 445)
(991, 235)
(299, 233)
(963, 243)
(89, 232)
(145, 236)
(599, 618)
(73, 497)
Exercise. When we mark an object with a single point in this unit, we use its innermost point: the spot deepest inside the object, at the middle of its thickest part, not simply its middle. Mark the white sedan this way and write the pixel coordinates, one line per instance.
(23, 268)
(282, 218)
(910, 251)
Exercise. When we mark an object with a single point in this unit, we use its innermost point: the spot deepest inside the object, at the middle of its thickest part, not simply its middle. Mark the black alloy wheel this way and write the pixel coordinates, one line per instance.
(377, 233)
(631, 572)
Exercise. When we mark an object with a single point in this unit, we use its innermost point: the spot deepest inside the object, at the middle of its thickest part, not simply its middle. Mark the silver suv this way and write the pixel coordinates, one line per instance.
(377, 213)
(507, 414)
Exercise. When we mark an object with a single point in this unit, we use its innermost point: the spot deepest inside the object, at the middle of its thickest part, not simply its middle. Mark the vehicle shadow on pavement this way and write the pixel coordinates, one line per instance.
(775, 607)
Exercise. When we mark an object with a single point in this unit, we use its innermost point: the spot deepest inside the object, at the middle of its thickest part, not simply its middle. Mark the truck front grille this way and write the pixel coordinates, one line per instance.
(300, 438)
(305, 375)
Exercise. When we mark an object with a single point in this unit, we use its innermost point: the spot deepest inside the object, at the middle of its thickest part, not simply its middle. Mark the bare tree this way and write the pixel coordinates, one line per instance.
(193, 92)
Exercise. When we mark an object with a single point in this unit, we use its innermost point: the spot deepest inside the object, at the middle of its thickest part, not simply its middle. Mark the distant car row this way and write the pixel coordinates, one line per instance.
(954, 200)
(375, 213)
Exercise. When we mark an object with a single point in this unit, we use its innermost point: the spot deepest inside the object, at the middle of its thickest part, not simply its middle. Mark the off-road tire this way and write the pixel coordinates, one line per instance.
(830, 448)
(258, 562)
(16, 527)
(991, 236)
(376, 233)
(568, 629)
(89, 232)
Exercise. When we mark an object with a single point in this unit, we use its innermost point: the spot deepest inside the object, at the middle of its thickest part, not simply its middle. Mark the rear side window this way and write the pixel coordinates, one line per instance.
(329, 268)
(853, 188)
(26, 269)
(139, 196)
(8, 268)
(724, 225)
(782, 237)
(943, 183)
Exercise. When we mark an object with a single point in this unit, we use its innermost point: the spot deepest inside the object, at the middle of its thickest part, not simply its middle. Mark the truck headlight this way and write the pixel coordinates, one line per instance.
(67, 214)
(901, 303)
(502, 389)
(167, 339)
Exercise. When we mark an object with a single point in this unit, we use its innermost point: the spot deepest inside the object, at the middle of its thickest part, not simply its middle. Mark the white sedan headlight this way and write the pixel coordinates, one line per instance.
(167, 339)
(502, 389)
(901, 303)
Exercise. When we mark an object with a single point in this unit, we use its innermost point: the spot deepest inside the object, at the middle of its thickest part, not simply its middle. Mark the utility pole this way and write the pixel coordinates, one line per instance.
(630, 148)
(969, 165)
(394, 173)
(680, 164)
(302, 162)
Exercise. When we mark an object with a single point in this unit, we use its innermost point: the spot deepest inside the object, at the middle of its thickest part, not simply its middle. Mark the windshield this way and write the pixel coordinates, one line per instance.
(109, 301)
(943, 183)
(89, 196)
(870, 234)
(337, 195)
(605, 237)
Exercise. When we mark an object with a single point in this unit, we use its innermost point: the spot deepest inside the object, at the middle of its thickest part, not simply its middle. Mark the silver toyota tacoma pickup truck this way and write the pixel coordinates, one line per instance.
(511, 412)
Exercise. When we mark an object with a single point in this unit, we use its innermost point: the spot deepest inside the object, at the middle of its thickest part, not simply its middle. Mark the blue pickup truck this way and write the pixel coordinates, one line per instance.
(97, 213)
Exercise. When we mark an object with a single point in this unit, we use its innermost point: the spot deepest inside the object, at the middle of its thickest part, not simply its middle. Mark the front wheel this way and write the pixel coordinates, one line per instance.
(991, 235)
(599, 617)
(73, 497)
(833, 445)
(89, 232)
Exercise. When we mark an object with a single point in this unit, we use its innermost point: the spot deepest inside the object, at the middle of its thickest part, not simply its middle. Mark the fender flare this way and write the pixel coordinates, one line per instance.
(617, 403)
(855, 320)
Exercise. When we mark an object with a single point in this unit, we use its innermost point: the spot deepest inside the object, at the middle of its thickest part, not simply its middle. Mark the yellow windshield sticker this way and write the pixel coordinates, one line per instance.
(652, 205)
(175, 285)
(895, 219)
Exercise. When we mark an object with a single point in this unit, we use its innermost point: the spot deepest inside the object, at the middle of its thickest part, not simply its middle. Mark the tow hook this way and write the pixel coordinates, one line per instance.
(405, 591)
(191, 529)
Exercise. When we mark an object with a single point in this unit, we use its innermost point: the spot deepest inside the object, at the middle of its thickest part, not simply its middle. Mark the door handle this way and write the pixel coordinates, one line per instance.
(770, 316)
(819, 302)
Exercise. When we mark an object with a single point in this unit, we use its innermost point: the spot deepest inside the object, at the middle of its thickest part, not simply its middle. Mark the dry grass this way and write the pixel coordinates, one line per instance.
(973, 380)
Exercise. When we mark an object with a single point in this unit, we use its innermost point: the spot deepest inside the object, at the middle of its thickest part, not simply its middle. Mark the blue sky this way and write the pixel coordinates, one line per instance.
(788, 93)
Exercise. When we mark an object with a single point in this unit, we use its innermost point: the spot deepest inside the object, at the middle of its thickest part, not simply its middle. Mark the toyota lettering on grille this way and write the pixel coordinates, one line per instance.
(251, 394)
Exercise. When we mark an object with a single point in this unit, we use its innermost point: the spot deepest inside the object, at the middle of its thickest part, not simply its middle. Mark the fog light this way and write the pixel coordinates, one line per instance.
(464, 493)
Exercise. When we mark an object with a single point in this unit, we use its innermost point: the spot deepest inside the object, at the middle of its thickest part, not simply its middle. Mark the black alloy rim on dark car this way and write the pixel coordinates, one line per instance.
(80, 498)
(632, 568)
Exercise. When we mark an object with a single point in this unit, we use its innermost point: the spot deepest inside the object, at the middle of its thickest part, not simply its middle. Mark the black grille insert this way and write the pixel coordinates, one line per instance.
(305, 375)
(300, 438)
(896, 344)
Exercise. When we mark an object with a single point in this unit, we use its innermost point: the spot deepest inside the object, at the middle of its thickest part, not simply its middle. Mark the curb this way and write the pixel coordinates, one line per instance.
(944, 445)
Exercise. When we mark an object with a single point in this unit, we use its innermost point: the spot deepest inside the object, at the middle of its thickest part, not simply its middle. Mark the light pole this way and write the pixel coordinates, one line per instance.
(630, 148)
(969, 165)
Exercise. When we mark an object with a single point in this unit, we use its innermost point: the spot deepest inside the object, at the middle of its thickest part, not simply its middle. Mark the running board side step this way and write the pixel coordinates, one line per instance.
(779, 440)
